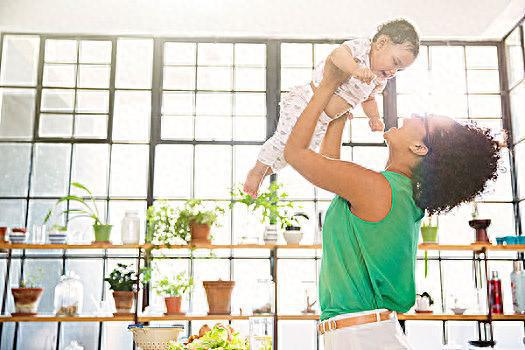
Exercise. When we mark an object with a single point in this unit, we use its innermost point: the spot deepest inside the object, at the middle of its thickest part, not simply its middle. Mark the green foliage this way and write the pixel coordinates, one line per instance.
(161, 221)
(122, 278)
(219, 337)
(88, 207)
(272, 205)
(194, 211)
(33, 279)
(174, 287)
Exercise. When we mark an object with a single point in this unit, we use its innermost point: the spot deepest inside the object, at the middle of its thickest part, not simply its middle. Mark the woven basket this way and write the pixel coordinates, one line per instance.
(155, 337)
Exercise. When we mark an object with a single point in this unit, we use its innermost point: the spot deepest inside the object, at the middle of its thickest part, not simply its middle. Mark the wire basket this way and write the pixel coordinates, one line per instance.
(155, 337)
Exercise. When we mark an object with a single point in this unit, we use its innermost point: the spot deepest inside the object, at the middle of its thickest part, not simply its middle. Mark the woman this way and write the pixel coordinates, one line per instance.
(371, 228)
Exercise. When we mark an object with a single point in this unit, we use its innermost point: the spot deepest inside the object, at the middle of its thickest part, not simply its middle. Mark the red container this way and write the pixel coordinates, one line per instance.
(496, 297)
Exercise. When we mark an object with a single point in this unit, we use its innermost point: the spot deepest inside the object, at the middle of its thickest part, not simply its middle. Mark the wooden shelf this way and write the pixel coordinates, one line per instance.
(69, 246)
(515, 317)
(191, 317)
(53, 318)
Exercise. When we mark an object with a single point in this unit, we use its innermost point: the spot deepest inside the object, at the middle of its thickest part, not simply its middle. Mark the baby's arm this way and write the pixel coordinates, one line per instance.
(343, 58)
(372, 112)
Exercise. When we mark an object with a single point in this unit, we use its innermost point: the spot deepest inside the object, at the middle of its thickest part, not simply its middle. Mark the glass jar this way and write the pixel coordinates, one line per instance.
(261, 333)
(263, 297)
(130, 228)
(69, 295)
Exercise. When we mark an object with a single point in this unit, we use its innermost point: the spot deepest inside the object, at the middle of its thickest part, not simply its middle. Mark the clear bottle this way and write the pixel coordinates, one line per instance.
(261, 333)
(517, 283)
(74, 345)
(130, 228)
(263, 298)
(69, 295)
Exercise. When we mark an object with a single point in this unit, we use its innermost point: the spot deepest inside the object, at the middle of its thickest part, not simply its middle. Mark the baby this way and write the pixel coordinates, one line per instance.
(369, 63)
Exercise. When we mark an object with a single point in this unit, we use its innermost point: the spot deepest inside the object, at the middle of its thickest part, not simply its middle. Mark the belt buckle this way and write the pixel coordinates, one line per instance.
(332, 325)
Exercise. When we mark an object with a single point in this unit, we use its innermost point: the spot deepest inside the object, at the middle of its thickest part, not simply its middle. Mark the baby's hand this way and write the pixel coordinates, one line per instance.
(364, 74)
(376, 124)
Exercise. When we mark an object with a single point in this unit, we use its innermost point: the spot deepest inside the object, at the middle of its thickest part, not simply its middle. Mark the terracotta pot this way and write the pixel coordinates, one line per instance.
(481, 230)
(26, 300)
(200, 233)
(123, 301)
(3, 232)
(173, 305)
(219, 295)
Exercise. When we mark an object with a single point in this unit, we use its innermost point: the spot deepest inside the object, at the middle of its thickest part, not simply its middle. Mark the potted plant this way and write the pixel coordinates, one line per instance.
(161, 219)
(480, 225)
(173, 291)
(27, 296)
(195, 221)
(273, 208)
(88, 208)
(429, 233)
(293, 232)
(219, 295)
(18, 235)
(122, 282)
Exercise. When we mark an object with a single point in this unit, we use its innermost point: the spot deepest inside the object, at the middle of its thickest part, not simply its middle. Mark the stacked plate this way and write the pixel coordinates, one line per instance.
(17, 237)
(57, 237)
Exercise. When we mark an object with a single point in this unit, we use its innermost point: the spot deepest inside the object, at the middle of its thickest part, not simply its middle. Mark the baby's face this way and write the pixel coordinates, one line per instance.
(387, 58)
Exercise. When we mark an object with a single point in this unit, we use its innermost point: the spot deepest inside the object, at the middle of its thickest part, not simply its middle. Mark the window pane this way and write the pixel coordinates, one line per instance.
(484, 106)
(447, 66)
(295, 185)
(56, 125)
(514, 57)
(321, 51)
(213, 128)
(482, 57)
(214, 103)
(249, 128)
(250, 104)
(250, 79)
(90, 168)
(454, 106)
(50, 175)
(59, 75)
(296, 55)
(14, 177)
(129, 171)
(520, 168)
(294, 276)
(517, 107)
(173, 171)
(12, 212)
(93, 76)
(361, 131)
(55, 100)
(17, 110)
(91, 126)
(61, 51)
(132, 115)
(134, 63)
(214, 78)
(38, 209)
(180, 53)
(179, 78)
(213, 167)
(19, 60)
(178, 103)
(250, 55)
(291, 77)
(501, 189)
(92, 101)
(215, 54)
(95, 51)
(177, 128)
(483, 81)
(371, 157)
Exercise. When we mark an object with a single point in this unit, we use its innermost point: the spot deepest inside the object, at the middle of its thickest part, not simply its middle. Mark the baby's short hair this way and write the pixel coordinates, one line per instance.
(400, 31)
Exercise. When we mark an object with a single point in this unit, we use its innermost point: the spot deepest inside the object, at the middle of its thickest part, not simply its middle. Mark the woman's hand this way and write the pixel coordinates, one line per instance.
(332, 75)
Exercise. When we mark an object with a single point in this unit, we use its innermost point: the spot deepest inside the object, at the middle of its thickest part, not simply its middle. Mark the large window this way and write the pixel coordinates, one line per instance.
(138, 120)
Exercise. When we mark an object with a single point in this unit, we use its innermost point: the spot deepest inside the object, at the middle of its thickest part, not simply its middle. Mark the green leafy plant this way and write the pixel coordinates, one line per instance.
(219, 337)
(174, 287)
(33, 279)
(161, 221)
(88, 207)
(194, 211)
(272, 205)
(122, 278)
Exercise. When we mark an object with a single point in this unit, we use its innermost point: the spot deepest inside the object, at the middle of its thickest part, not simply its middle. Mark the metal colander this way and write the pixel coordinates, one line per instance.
(155, 337)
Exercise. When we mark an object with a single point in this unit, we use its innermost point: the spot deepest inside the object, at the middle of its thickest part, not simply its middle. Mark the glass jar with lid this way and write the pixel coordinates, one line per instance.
(69, 295)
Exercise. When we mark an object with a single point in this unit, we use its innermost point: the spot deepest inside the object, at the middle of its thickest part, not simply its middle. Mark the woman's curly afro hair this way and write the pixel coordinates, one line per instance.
(461, 160)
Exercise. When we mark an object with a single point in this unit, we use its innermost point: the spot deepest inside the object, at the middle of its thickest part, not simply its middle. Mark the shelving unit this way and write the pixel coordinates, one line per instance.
(479, 251)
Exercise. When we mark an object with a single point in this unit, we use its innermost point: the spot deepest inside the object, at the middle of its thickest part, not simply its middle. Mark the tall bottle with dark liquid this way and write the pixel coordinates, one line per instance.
(496, 297)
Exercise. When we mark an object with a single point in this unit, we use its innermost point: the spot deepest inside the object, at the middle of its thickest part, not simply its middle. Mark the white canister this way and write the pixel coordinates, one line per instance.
(130, 229)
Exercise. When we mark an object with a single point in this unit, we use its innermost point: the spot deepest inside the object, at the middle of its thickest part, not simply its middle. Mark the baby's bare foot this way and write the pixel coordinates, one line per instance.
(254, 179)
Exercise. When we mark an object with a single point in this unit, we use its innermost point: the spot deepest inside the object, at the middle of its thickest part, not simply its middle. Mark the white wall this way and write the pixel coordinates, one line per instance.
(474, 19)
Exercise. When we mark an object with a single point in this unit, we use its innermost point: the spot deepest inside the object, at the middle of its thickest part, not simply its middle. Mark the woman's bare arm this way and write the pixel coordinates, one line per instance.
(331, 144)
(367, 190)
